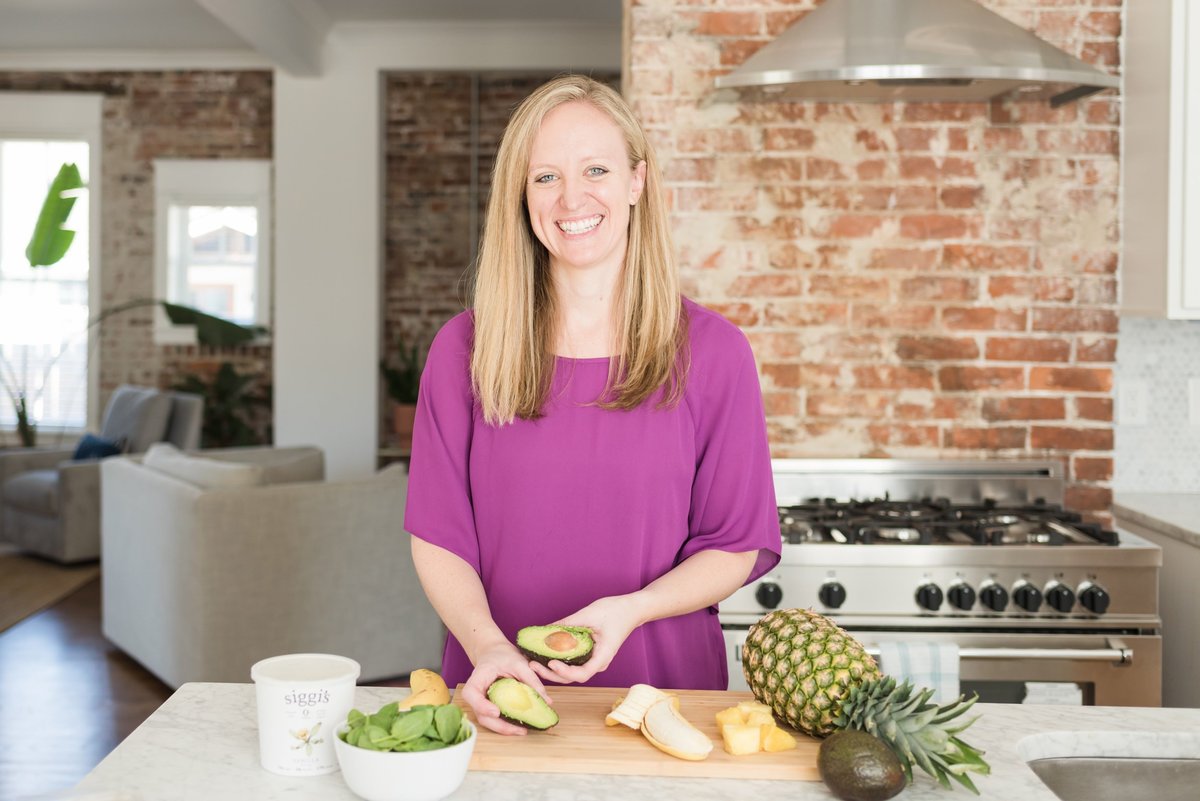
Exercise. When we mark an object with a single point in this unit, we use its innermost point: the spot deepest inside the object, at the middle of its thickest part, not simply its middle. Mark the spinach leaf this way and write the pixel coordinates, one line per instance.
(447, 719)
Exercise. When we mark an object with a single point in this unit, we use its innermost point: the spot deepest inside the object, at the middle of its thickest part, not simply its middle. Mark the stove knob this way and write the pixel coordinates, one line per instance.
(961, 596)
(1060, 597)
(994, 597)
(929, 596)
(832, 594)
(1094, 599)
(1027, 596)
(768, 594)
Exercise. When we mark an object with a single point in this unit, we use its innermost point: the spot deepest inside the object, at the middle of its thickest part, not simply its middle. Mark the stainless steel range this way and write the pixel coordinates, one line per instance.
(981, 554)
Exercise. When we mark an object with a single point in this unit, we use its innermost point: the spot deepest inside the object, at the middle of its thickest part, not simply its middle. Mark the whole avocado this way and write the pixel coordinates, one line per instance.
(858, 766)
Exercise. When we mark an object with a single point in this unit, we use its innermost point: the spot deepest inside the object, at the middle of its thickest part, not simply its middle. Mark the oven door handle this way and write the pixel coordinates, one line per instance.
(1117, 652)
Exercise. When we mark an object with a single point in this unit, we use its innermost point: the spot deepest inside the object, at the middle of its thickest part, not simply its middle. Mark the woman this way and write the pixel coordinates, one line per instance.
(590, 447)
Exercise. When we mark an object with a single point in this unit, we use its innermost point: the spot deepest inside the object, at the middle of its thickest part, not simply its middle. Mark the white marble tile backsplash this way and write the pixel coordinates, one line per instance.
(1163, 454)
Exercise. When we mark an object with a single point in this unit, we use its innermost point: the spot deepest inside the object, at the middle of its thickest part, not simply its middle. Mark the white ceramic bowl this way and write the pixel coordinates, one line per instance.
(405, 776)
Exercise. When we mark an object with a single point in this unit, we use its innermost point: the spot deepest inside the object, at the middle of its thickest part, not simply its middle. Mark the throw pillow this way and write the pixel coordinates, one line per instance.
(200, 471)
(289, 465)
(139, 415)
(96, 447)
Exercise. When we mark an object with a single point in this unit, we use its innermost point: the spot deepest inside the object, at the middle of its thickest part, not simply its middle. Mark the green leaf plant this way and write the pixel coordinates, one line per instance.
(231, 401)
(403, 380)
(49, 244)
(51, 239)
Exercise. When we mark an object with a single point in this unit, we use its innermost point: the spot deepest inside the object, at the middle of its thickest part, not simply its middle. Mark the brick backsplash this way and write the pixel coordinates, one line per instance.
(917, 280)
(149, 115)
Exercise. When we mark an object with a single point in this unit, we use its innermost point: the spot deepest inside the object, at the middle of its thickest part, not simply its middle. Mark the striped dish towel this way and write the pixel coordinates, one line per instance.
(925, 664)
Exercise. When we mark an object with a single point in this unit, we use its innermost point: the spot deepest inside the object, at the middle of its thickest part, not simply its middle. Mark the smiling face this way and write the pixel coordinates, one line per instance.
(580, 187)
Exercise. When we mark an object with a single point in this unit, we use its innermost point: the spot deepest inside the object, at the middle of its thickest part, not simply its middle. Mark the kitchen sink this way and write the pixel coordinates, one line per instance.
(1098, 766)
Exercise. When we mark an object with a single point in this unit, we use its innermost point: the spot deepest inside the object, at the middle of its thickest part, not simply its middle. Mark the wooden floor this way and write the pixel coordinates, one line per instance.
(68, 697)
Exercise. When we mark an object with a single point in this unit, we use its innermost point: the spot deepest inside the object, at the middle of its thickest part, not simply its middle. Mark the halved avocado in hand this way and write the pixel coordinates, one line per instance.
(520, 704)
(571, 645)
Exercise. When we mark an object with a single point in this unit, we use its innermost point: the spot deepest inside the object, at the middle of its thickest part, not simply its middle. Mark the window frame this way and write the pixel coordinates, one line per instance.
(211, 182)
(79, 117)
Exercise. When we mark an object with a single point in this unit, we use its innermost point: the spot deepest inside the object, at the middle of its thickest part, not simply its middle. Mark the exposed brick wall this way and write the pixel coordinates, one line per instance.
(917, 280)
(428, 197)
(149, 115)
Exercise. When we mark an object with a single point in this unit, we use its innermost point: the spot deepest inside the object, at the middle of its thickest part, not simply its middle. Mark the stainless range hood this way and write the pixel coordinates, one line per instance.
(912, 50)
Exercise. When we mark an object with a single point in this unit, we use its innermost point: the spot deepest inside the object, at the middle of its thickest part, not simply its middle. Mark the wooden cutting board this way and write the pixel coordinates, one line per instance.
(581, 743)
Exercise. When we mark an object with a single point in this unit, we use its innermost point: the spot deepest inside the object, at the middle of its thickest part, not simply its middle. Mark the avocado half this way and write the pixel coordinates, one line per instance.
(520, 704)
(571, 645)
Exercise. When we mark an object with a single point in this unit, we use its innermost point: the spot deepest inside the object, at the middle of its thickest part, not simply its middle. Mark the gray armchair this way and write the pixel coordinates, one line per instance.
(50, 505)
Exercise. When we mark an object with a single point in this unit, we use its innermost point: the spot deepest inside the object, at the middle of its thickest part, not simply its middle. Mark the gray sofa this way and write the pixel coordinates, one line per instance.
(50, 504)
(198, 584)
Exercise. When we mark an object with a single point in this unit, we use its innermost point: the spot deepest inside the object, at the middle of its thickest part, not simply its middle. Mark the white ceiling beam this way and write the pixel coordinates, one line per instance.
(288, 32)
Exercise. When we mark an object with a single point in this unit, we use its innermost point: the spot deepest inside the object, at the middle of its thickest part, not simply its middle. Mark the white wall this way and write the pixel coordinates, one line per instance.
(328, 211)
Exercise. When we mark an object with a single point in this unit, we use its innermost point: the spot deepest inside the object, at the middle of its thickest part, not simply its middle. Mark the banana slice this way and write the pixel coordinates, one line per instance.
(670, 732)
(609, 720)
(630, 710)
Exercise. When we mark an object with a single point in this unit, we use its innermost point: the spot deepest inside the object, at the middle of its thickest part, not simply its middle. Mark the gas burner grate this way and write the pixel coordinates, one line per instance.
(937, 521)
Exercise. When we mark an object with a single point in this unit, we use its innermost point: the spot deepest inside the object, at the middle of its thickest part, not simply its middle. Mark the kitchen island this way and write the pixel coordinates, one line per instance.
(202, 743)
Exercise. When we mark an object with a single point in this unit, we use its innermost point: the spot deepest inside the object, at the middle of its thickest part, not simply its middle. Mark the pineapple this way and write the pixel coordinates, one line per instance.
(818, 679)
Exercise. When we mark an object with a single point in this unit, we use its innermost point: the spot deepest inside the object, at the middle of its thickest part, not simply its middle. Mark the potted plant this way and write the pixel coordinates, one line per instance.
(403, 382)
(234, 405)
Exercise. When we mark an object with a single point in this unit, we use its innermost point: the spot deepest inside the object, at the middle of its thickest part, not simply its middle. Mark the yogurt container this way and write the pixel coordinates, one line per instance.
(302, 700)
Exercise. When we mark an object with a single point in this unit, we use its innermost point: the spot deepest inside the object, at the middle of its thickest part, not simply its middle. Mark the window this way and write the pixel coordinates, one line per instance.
(209, 253)
(44, 311)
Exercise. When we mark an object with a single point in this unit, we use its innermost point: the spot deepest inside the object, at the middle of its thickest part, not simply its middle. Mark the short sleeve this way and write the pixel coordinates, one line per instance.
(439, 508)
(733, 493)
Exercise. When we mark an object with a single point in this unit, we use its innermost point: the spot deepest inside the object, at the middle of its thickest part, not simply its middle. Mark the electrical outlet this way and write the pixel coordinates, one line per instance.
(1194, 402)
(1133, 400)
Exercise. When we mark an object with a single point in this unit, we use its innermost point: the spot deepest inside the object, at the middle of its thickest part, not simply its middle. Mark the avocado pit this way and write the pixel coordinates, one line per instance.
(561, 641)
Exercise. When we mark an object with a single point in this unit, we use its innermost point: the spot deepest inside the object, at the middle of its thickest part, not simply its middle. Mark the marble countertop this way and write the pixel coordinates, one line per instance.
(1174, 514)
(203, 744)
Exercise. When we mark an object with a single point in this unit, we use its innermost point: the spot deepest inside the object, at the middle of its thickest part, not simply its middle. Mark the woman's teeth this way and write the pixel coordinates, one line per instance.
(579, 226)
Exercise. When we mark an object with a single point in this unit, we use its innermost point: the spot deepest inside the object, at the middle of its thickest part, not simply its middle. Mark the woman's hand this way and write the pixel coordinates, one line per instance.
(498, 659)
(611, 620)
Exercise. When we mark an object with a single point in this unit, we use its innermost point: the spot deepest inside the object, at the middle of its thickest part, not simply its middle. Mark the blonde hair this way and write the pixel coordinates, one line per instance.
(512, 357)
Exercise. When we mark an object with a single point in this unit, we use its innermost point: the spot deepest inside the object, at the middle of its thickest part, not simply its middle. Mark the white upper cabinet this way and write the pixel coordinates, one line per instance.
(1161, 160)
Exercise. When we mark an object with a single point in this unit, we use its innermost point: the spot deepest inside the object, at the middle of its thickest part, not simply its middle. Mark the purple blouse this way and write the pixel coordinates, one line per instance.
(586, 503)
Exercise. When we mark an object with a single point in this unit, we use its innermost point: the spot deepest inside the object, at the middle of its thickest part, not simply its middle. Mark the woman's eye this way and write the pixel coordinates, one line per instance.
(544, 179)
(596, 171)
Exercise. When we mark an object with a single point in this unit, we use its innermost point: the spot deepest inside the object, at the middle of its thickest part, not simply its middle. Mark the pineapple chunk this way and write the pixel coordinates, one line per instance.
(757, 718)
(731, 715)
(741, 738)
(776, 739)
(750, 727)
(753, 706)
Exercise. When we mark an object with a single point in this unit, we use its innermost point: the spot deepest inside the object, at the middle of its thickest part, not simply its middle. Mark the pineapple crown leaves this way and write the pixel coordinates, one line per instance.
(916, 729)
